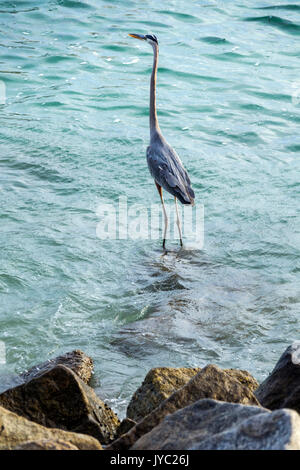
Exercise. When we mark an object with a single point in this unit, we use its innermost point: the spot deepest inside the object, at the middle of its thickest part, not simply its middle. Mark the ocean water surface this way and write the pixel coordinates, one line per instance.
(74, 130)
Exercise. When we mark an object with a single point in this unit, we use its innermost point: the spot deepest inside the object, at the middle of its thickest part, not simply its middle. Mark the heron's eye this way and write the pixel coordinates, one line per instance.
(152, 37)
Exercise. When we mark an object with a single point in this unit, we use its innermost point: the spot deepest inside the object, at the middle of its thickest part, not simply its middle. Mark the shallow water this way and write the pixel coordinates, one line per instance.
(74, 129)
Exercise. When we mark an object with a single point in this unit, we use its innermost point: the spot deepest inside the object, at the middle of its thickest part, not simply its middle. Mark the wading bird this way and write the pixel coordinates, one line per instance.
(164, 164)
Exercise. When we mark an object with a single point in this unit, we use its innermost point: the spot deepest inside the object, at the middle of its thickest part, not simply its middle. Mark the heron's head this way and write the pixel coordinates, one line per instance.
(150, 38)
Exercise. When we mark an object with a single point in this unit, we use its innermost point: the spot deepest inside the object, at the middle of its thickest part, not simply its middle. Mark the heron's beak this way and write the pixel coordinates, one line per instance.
(138, 36)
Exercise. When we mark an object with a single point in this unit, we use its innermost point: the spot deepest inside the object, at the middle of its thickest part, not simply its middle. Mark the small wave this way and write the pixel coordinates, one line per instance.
(227, 56)
(8, 281)
(269, 96)
(288, 7)
(14, 12)
(293, 148)
(214, 40)
(54, 59)
(181, 16)
(155, 24)
(39, 171)
(74, 4)
(114, 47)
(252, 107)
(185, 75)
(249, 138)
(277, 22)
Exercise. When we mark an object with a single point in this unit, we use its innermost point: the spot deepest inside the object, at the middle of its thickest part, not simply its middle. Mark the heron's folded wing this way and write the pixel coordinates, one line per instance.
(169, 173)
(176, 177)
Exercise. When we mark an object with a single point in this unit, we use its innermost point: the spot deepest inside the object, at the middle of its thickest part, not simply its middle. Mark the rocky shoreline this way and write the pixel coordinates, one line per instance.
(54, 408)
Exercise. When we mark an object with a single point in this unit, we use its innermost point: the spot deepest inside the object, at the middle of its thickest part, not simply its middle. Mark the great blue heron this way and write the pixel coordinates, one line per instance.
(164, 164)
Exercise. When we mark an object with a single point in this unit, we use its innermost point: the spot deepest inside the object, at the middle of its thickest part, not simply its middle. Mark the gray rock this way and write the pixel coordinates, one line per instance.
(16, 431)
(282, 388)
(60, 399)
(213, 425)
(210, 382)
(75, 360)
(125, 426)
(161, 382)
(46, 444)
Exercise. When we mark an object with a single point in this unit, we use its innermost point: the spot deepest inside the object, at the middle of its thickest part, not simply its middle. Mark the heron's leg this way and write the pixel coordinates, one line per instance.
(178, 222)
(159, 188)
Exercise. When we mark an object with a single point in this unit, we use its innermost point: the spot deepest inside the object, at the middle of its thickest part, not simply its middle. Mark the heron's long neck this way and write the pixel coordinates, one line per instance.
(154, 127)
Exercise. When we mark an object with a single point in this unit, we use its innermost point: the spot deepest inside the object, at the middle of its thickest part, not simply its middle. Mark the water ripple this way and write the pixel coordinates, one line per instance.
(74, 131)
(277, 22)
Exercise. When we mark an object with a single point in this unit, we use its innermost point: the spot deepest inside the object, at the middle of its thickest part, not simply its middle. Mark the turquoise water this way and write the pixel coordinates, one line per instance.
(74, 129)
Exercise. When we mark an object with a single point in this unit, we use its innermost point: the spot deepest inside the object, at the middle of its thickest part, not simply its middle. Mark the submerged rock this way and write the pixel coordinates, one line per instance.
(210, 382)
(16, 430)
(282, 388)
(213, 425)
(76, 360)
(161, 382)
(46, 444)
(60, 399)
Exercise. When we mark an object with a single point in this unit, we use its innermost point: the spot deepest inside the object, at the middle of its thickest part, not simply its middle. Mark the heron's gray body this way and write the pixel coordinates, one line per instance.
(163, 162)
(167, 170)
